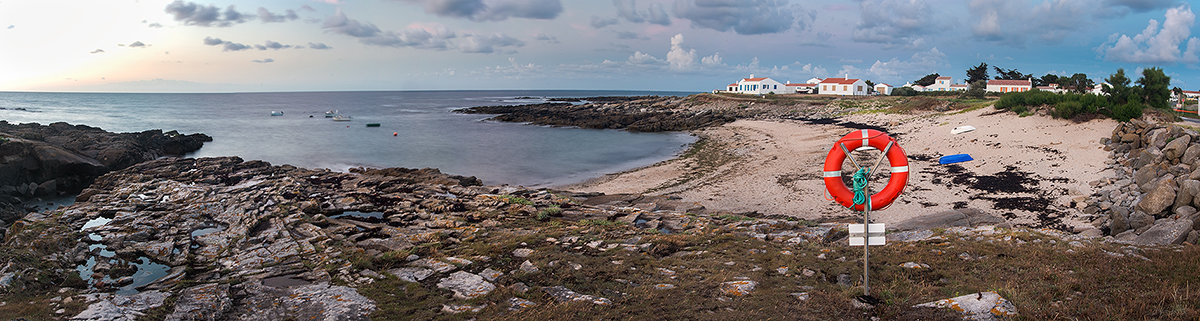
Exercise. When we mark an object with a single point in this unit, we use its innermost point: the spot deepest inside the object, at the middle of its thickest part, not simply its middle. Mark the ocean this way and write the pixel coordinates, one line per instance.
(427, 133)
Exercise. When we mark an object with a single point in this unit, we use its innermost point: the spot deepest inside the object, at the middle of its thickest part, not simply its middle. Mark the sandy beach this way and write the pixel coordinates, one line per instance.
(1030, 170)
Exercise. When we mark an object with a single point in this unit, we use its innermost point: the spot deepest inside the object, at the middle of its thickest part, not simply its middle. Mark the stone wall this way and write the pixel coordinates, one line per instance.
(1153, 198)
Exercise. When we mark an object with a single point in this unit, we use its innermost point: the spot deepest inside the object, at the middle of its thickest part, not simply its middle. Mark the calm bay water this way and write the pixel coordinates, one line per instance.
(428, 133)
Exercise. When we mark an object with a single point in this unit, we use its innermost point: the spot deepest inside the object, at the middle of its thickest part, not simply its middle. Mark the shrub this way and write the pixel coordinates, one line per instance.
(1129, 110)
(1068, 109)
(904, 91)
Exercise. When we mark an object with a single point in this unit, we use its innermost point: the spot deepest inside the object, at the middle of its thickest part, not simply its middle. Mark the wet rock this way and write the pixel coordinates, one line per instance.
(563, 294)
(978, 306)
(466, 285)
(202, 302)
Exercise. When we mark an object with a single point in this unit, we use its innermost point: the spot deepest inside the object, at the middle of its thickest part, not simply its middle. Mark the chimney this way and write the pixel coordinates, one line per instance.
(789, 82)
(847, 76)
(751, 75)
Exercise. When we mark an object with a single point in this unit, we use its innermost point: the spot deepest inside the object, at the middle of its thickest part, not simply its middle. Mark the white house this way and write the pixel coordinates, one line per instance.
(940, 84)
(1098, 89)
(1190, 94)
(800, 88)
(883, 89)
(1008, 86)
(959, 87)
(914, 86)
(814, 81)
(843, 86)
(1052, 88)
(757, 86)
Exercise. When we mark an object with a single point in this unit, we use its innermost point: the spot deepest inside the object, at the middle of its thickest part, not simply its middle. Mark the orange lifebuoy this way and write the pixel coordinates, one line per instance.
(859, 138)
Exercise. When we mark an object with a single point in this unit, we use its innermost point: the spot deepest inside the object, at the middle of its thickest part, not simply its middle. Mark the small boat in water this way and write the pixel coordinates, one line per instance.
(372, 124)
(340, 117)
(276, 113)
(331, 113)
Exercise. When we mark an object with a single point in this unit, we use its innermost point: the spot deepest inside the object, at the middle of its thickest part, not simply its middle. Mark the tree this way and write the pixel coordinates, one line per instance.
(870, 86)
(1045, 80)
(927, 80)
(977, 89)
(1118, 88)
(1155, 84)
(1011, 74)
(1078, 82)
(977, 73)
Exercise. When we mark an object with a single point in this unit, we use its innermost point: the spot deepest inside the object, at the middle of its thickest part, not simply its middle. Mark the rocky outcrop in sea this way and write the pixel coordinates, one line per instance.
(62, 159)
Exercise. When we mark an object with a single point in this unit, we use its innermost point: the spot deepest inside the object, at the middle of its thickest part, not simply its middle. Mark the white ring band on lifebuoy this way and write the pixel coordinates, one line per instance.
(832, 173)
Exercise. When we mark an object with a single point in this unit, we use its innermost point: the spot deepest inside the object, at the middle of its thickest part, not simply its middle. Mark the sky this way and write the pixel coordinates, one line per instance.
(683, 45)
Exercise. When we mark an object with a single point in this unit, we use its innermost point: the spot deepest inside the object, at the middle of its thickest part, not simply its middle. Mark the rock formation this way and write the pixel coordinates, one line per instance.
(62, 159)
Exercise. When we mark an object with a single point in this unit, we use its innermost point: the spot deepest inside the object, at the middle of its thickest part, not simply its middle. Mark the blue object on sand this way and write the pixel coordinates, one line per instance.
(951, 159)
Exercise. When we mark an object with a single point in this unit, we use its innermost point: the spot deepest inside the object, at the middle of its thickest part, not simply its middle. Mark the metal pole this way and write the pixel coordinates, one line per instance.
(867, 244)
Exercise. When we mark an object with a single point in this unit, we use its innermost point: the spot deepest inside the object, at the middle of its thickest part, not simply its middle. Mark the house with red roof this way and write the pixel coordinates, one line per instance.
(758, 86)
(1009, 86)
(843, 86)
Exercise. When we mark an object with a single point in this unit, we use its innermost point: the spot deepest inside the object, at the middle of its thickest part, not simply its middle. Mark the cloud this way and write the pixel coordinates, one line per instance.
(155, 25)
(546, 38)
(227, 45)
(1012, 22)
(97, 51)
(318, 46)
(894, 22)
(654, 14)
(265, 15)
(423, 37)
(487, 43)
(1142, 5)
(679, 58)
(747, 17)
(308, 8)
(193, 14)
(271, 45)
(11, 26)
(714, 60)
(497, 10)
(598, 22)
(264, 61)
(896, 70)
(630, 35)
(137, 44)
(1157, 45)
(641, 58)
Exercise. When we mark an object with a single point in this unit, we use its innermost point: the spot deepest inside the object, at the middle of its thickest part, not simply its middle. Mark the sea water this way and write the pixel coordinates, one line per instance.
(427, 133)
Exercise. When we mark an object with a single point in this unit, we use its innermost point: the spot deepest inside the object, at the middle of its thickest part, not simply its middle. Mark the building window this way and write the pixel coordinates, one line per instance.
(845, 88)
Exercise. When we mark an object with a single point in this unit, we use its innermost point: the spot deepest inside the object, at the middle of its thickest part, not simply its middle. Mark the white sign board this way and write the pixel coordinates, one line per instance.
(873, 237)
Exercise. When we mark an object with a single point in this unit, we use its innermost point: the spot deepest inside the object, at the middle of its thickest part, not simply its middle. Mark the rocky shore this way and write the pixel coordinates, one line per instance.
(1153, 197)
(62, 159)
(657, 114)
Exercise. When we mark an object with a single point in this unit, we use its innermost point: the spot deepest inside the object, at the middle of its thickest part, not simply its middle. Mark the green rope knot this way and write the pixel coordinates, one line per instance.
(860, 186)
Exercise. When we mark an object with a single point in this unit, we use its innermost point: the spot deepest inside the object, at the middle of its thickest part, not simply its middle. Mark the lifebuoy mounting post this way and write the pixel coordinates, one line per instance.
(860, 199)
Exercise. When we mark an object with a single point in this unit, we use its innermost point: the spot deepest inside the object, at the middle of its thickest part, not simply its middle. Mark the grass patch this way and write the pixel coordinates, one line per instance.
(513, 199)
